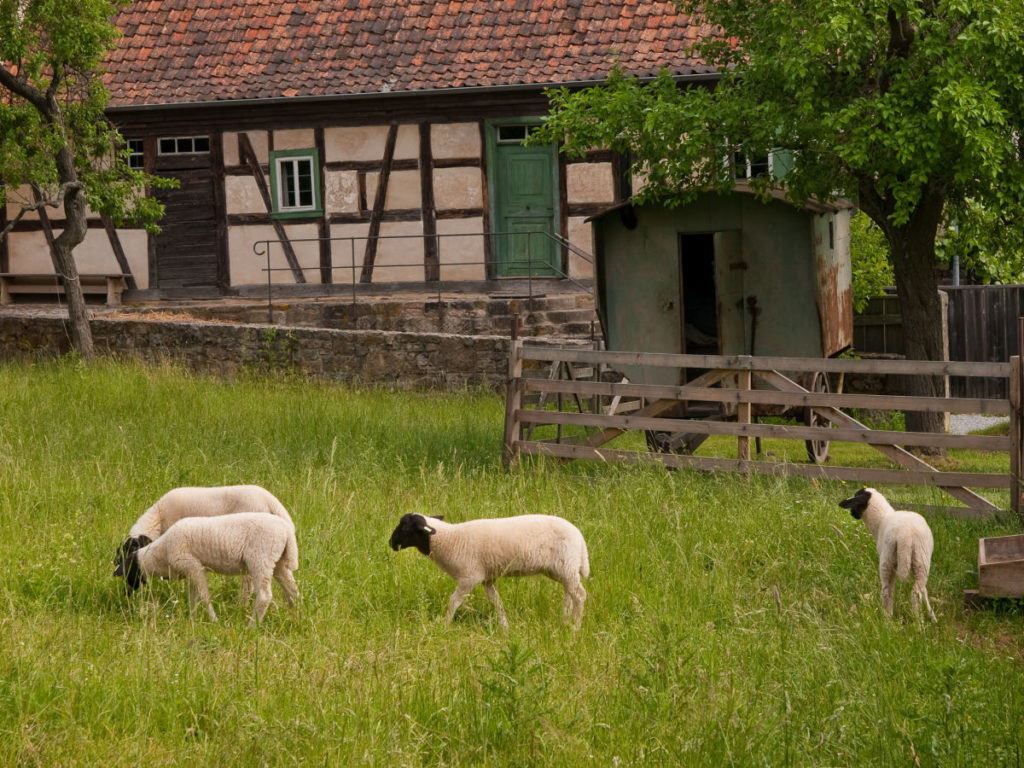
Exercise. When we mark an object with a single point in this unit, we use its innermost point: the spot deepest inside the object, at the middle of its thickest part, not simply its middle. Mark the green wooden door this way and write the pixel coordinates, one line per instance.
(525, 200)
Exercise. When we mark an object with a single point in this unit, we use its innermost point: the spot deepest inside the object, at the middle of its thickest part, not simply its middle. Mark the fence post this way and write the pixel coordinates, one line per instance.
(743, 415)
(1015, 434)
(513, 397)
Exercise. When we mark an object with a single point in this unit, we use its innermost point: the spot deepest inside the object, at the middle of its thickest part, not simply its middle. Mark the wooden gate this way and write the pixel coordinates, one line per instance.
(590, 413)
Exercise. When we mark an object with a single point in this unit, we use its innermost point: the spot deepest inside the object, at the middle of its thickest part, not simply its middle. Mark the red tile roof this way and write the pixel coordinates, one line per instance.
(194, 51)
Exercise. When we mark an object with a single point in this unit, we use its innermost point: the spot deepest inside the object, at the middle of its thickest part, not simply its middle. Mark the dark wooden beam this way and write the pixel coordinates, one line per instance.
(370, 255)
(323, 224)
(118, 249)
(431, 254)
(249, 155)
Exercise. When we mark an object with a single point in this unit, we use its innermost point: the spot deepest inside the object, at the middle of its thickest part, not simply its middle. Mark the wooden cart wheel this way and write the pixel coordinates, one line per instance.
(817, 450)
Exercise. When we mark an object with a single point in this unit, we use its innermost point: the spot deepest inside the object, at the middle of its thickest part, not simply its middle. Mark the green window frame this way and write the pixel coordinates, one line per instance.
(295, 183)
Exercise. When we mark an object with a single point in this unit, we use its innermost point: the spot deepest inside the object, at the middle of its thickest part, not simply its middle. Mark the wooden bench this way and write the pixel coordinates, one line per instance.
(109, 285)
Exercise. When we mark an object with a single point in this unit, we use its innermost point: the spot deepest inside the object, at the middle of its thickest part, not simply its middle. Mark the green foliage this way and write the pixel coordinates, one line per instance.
(52, 99)
(900, 106)
(730, 621)
(870, 261)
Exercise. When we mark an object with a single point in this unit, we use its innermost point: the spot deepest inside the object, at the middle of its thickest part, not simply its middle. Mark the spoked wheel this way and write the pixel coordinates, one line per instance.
(817, 450)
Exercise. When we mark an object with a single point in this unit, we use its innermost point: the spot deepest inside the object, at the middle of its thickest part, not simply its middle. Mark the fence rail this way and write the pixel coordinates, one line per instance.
(733, 392)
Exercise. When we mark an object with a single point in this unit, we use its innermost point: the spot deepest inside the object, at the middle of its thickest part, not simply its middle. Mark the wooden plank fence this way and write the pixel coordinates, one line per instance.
(598, 410)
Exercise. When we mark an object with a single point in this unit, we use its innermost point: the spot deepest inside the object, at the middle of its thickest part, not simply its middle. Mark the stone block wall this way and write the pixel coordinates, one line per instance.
(402, 360)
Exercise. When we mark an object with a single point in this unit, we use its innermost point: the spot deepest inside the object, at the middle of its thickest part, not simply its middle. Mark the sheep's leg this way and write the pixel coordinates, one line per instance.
(264, 594)
(287, 581)
(887, 572)
(197, 586)
(245, 588)
(572, 603)
(495, 598)
(919, 593)
(462, 589)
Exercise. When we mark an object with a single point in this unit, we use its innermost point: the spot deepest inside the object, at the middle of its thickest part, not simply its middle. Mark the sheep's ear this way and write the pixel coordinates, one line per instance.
(439, 517)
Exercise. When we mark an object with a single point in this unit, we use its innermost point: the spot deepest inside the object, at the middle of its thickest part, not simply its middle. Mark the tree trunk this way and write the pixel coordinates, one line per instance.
(75, 228)
(913, 254)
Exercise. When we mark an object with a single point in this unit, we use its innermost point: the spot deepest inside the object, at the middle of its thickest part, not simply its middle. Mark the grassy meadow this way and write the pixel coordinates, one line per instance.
(729, 621)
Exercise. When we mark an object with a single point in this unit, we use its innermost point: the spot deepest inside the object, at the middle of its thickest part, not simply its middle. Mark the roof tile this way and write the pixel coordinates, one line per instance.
(210, 50)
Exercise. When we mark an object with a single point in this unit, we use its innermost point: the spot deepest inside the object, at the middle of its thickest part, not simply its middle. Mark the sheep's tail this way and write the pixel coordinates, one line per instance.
(291, 552)
(905, 560)
(584, 559)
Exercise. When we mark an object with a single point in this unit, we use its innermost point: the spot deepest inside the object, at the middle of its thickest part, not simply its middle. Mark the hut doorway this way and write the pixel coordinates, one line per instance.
(699, 294)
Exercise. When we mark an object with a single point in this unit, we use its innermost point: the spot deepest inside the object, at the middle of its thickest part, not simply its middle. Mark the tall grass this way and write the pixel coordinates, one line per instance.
(729, 621)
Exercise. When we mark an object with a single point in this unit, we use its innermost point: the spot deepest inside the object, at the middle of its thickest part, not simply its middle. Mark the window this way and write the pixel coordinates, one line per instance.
(514, 134)
(183, 145)
(751, 167)
(295, 186)
(136, 154)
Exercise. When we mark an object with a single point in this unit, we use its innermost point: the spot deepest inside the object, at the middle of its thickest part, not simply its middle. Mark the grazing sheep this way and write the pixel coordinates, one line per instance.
(205, 502)
(480, 551)
(255, 543)
(904, 542)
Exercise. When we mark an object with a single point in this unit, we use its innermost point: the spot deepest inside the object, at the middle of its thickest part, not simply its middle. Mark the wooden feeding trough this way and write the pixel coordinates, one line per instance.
(1001, 566)
(725, 275)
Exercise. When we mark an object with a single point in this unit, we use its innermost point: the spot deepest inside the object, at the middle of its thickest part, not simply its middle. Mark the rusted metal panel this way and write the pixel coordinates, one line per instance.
(834, 296)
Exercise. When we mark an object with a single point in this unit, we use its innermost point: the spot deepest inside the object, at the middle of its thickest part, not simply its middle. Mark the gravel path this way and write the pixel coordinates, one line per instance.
(963, 423)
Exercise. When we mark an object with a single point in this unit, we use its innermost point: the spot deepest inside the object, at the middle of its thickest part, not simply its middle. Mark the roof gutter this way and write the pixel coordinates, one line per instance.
(276, 100)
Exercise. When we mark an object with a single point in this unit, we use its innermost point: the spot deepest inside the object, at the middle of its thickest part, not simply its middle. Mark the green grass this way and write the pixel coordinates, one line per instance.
(729, 622)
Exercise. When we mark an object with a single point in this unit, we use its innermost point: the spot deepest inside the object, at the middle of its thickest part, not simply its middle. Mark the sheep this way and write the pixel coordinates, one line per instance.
(480, 551)
(187, 501)
(904, 543)
(255, 543)
(205, 502)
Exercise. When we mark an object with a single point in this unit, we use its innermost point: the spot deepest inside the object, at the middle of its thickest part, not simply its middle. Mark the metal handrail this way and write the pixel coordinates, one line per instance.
(263, 248)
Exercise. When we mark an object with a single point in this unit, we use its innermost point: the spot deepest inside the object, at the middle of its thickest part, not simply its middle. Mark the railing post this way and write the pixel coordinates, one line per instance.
(513, 397)
(1015, 434)
(270, 290)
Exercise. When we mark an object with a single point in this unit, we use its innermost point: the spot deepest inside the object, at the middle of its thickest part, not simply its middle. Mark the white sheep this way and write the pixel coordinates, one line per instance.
(205, 502)
(254, 543)
(904, 543)
(480, 551)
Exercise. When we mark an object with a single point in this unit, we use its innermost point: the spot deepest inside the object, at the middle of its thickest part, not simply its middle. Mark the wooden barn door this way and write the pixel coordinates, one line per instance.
(185, 260)
(524, 194)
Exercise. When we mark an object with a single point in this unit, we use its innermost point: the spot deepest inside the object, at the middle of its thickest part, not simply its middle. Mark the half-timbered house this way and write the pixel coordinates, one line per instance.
(360, 141)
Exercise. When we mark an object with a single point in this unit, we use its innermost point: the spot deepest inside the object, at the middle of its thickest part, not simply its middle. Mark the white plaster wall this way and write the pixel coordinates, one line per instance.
(342, 192)
(135, 243)
(590, 183)
(242, 195)
(15, 198)
(450, 140)
(461, 257)
(458, 188)
(229, 148)
(297, 138)
(580, 235)
(399, 252)
(403, 190)
(366, 143)
(247, 267)
(29, 253)
(259, 142)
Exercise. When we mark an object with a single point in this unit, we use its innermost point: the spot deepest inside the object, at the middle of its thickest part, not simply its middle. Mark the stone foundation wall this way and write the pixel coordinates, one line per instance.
(403, 360)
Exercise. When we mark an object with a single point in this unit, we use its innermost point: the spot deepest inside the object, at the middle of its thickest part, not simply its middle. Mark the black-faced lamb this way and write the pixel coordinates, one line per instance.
(481, 551)
(254, 543)
(904, 543)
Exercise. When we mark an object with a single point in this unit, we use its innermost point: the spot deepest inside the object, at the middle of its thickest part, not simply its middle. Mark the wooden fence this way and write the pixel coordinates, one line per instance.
(981, 325)
(578, 393)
